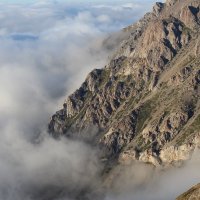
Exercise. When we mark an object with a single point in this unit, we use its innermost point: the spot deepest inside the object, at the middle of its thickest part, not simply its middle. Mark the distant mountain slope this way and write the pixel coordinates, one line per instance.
(193, 194)
(145, 103)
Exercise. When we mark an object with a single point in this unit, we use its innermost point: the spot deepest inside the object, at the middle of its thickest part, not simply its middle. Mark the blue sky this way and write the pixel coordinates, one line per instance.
(72, 1)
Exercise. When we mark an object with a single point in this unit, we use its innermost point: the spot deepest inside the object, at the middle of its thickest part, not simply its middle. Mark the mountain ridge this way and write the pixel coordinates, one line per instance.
(144, 104)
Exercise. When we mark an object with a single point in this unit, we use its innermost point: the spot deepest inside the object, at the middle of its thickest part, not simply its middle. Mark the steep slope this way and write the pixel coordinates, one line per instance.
(193, 193)
(144, 104)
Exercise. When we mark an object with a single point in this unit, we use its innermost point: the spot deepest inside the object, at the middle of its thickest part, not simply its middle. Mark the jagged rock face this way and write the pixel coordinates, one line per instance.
(190, 14)
(161, 42)
(145, 102)
(158, 8)
(171, 2)
(191, 194)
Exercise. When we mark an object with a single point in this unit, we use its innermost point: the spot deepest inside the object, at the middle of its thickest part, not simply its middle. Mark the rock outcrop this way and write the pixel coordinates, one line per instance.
(145, 102)
(191, 194)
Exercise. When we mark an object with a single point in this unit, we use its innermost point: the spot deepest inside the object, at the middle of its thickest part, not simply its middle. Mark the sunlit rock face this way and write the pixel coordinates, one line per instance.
(144, 103)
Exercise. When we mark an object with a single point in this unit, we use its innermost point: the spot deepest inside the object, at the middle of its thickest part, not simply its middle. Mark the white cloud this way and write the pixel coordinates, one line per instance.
(132, 6)
(104, 19)
(139, 181)
(46, 51)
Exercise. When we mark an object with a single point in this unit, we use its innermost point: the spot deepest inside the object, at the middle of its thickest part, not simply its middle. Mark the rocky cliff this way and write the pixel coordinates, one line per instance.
(144, 104)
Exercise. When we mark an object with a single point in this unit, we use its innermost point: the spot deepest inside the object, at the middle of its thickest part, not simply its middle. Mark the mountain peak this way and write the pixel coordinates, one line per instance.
(145, 102)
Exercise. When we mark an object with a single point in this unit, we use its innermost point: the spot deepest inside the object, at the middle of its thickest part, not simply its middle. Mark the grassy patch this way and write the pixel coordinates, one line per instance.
(145, 112)
(187, 60)
(140, 141)
(194, 127)
(105, 77)
(187, 30)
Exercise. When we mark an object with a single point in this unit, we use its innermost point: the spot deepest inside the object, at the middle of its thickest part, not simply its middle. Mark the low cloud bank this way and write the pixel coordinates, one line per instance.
(139, 181)
(47, 170)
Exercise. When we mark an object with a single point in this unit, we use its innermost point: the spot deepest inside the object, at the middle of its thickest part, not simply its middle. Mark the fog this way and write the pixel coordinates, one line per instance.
(46, 50)
(138, 181)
